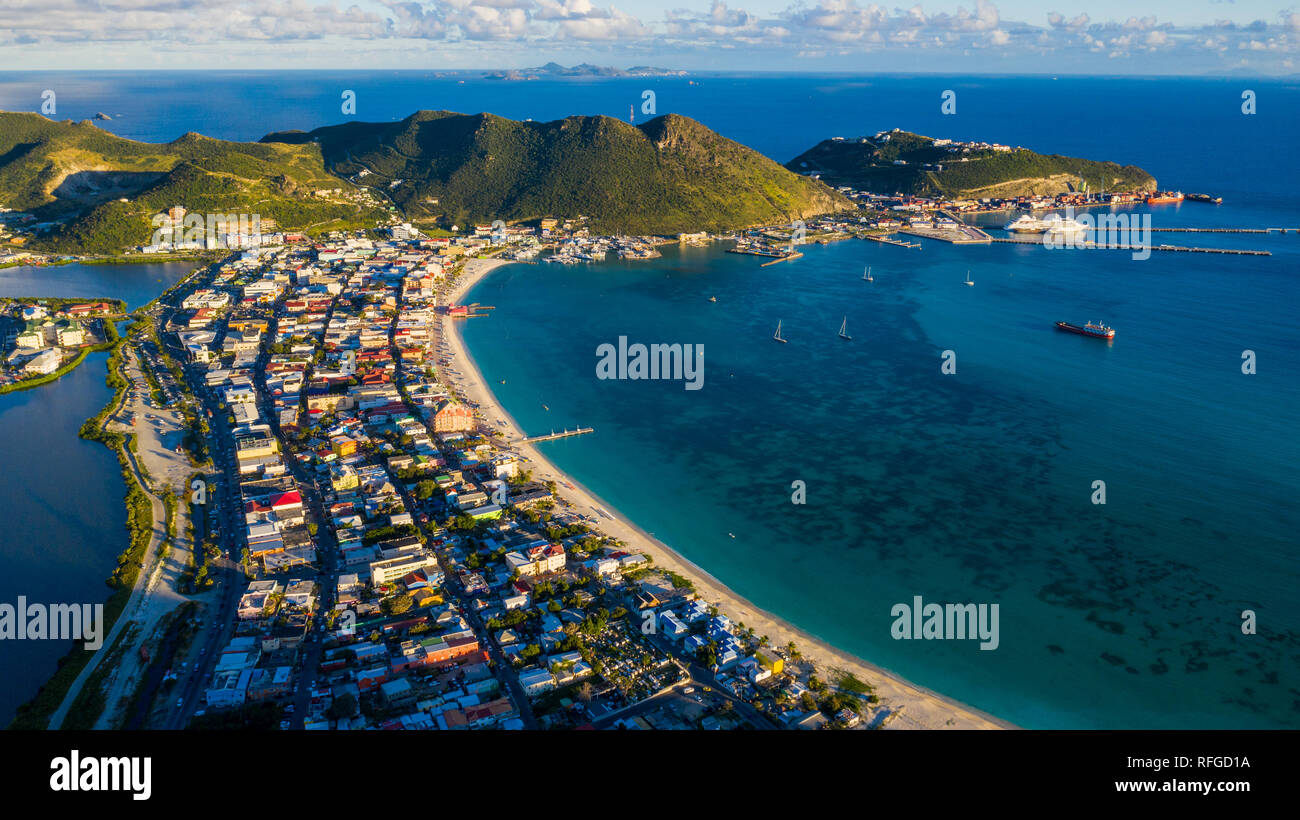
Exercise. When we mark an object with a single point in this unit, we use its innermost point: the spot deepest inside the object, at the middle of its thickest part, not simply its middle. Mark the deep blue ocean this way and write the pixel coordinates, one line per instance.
(971, 487)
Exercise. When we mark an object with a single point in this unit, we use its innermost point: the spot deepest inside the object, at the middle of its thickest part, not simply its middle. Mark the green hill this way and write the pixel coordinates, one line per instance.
(665, 176)
(873, 164)
(78, 174)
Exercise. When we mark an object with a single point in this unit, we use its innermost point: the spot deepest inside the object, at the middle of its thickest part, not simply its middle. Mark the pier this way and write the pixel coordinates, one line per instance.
(895, 242)
(1224, 230)
(782, 258)
(773, 254)
(563, 434)
(1089, 245)
(958, 234)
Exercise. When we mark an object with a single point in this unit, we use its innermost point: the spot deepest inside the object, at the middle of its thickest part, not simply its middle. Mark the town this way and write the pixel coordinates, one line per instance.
(369, 552)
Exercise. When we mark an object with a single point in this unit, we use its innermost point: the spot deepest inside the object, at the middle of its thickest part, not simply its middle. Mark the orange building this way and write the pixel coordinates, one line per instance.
(453, 418)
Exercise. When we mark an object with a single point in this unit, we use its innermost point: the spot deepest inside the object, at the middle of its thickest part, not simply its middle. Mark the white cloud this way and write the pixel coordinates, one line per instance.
(836, 29)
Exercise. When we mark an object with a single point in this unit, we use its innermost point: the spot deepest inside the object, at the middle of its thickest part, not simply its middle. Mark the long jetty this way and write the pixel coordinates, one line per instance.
(782, 258)
(1225, 230)
(1122, 247)
(563, 434)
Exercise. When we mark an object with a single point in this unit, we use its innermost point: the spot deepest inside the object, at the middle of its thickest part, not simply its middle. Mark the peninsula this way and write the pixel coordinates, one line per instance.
(899, 161)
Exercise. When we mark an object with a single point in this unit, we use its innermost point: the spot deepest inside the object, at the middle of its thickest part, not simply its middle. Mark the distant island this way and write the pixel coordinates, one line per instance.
(582, 70)
(898, 161)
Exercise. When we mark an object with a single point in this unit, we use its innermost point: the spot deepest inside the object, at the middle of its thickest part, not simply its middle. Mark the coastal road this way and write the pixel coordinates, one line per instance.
(219, 616)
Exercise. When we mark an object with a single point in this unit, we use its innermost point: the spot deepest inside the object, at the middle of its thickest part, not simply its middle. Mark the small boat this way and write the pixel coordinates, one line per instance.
(866, 277)
(968, 281)
(777, 336)
(713, 298)
(843, 335)
(503, 381)
(547, 409)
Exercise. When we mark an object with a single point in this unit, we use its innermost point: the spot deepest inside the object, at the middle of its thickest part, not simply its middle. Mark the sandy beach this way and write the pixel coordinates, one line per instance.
(913, 706)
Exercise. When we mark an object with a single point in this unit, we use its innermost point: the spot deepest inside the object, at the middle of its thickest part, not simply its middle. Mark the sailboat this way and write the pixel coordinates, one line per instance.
(844, 335)
(777, 336)
(866, 277)
(968, 281)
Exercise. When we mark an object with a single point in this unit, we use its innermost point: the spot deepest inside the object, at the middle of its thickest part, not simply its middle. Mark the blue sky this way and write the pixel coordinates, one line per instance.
(974, 36)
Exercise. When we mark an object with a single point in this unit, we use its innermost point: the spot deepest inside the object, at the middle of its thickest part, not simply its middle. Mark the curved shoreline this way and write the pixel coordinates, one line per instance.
(915, 706)
(50, 378)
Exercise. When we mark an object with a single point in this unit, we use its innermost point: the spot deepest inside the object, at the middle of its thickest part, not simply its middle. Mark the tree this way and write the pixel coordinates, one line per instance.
(425, 490)
(345, 705)
(397, 604)
(586, 691)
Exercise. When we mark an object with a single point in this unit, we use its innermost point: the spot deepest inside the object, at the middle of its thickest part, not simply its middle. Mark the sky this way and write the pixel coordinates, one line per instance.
(1136, 37)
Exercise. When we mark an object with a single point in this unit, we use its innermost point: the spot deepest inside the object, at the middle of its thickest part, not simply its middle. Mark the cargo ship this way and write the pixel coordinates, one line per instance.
(1217, 200)
(1094, 329)
(1164, 197)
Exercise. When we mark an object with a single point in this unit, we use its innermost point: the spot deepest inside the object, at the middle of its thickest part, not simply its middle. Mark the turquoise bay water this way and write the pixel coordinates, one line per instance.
(61, 497)
(972, 487)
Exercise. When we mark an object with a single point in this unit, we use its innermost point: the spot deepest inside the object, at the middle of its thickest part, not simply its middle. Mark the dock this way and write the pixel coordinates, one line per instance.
(782, 258)
(1089, 245)
(895, 242)
(958, 234)
(1224, 230)
(552, 436)
(772, 254)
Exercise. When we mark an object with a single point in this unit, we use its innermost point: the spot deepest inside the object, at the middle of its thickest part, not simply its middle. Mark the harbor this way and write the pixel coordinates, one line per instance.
(947, 228)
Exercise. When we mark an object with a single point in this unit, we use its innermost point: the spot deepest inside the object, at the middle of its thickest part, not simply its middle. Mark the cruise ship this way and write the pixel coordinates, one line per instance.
(1054, 224)
(1057, 224)
(1026, 224)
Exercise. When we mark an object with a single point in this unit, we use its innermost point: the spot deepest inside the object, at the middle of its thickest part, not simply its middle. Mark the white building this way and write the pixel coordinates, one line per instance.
(43, 363)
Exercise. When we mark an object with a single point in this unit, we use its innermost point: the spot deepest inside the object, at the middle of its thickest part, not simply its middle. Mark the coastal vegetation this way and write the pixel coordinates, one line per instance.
(665, 176)
(36, 713)
(913, 164)
(103, 189)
